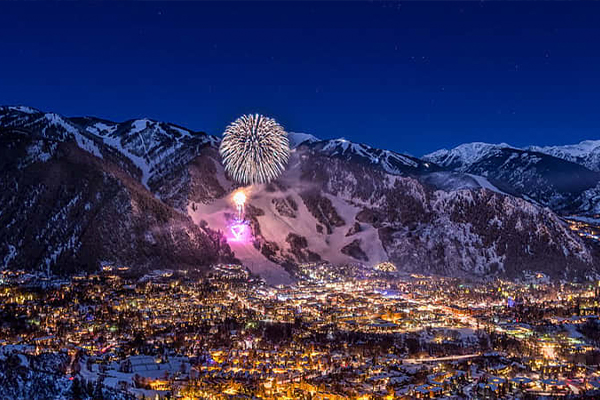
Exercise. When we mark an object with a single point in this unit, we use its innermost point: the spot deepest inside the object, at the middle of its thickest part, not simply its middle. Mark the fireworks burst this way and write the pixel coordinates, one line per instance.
(255, 149)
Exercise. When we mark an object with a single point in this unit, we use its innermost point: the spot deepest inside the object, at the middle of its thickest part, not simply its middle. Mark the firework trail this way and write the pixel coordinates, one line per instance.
(255, 149)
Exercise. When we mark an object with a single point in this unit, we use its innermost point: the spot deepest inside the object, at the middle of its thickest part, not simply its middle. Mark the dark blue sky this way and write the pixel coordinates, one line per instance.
(410, 77)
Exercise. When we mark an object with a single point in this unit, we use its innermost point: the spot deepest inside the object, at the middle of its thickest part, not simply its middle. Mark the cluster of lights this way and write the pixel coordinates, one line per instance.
(239, 230)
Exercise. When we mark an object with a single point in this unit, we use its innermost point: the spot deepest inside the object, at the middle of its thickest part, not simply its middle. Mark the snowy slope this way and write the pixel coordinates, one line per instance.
(153, 147)
(586, 153)
(150, 146)
(485, 184)
(389, 161)
(275, 227)
(297, 138)
(560, 180)
(453, 181)
(76, 191)
(455, 232)
(216, 215)
(589, 201)
(461, 157)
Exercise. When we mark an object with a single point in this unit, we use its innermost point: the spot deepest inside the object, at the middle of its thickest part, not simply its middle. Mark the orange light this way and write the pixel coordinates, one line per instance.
(239, 198)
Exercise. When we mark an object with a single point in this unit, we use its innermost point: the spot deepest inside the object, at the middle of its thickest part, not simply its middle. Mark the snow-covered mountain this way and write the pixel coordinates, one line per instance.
(148, 147)
(556, 182)
(458, 232)
(297, 138)
(389, 161)
(464, 155)
(77, 192)
(73, 198)
(586, 153)
(152, 146)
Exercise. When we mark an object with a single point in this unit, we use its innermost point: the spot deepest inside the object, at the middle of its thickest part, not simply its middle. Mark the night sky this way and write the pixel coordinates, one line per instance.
(410, 77)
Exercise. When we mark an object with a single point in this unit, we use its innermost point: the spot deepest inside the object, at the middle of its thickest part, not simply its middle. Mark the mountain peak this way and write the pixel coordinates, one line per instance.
(390, 161)
(297, 138)
(464, 155)
(586, 153)
(23, 109)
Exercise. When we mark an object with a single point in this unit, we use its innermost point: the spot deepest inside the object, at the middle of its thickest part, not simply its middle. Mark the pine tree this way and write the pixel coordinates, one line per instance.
(98, 395)
(76, 390)
(89, 388)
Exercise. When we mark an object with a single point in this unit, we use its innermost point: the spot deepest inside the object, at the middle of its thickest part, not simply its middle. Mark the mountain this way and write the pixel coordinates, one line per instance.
(389, 161)
(153, 147)
(297, 138)
(586, 153)
(72, 200)
(462, 232)
(80, 192)
(557, 183)
(464, 155)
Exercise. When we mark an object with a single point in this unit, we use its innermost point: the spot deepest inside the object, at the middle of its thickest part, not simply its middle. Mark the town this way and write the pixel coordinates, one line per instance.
(585, 227)
(343, 332)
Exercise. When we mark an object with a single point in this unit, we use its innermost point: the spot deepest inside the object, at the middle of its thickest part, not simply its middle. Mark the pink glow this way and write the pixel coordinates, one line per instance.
(239, 232)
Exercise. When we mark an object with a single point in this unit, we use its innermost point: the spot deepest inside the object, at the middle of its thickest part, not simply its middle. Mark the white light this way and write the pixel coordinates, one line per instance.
(239, 198)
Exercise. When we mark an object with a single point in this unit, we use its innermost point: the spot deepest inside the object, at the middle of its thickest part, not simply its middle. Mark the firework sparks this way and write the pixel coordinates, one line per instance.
(255, 149)
(239, 230)
(239, 198)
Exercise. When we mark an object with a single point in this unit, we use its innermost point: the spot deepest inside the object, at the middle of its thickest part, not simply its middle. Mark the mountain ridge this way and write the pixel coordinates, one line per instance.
(585, 153)
(154, 195)
(564, 183)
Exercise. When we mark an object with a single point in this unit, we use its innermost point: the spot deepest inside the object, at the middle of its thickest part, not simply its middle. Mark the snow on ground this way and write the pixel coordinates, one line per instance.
(143, 143)
(15, 348)
(275, 228)
(139, 125)
(214, 214)
(576, 150)
(182, 131)
(484, 183)
(101, 129)
(296, 138)
(387, 159)
(12, 253)
(369, 236)
(23, 109)
(586, 153)
(572, 331)
(144, 366)
(464, 154)
(36, 152)
(87, 144)
(466, 334)
(140, 162)
(259, 264)
(83, 142)
(58, 121)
